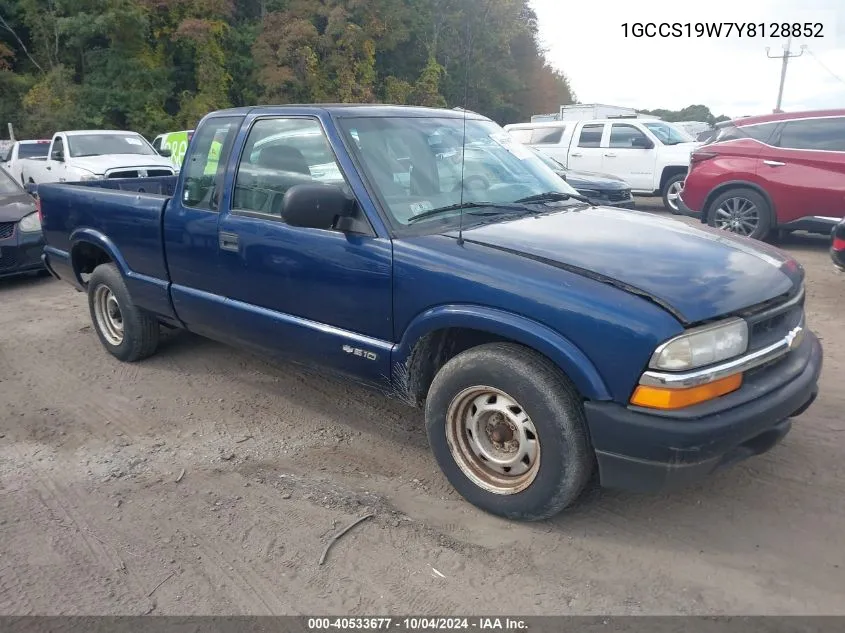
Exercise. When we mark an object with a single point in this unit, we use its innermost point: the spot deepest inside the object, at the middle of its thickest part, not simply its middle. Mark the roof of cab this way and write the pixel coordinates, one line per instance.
(344, 110)
(80, 132)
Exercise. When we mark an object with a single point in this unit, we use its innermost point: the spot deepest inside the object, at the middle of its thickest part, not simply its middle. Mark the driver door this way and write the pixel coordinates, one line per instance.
(630, 155)
(301, 292)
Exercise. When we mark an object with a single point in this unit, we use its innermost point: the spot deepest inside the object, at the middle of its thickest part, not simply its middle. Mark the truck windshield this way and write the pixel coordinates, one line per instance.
(668, 134)
(102, 144)
(415, 167)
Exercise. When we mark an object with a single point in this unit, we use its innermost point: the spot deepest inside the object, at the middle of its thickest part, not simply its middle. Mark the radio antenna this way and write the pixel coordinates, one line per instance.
(464, 136)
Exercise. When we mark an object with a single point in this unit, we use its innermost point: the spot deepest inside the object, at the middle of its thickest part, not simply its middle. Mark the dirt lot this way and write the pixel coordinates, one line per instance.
(276, 461)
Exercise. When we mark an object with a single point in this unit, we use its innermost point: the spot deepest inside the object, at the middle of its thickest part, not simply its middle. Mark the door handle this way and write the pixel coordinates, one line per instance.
(773, 163)
(229, 242)
(575, 155)
(49, 168)
(610, 155)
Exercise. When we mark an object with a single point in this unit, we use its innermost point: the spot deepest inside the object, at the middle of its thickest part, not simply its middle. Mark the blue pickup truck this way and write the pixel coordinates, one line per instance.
(427, 254)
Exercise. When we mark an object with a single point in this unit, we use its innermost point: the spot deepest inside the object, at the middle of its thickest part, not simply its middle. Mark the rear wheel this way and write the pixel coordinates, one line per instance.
(128, 333)
(742, 211)
(508, 430)
(672, 193)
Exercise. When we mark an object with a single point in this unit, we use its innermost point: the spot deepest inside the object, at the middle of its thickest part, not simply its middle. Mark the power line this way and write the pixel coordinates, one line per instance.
(785, 57)
(821, 63)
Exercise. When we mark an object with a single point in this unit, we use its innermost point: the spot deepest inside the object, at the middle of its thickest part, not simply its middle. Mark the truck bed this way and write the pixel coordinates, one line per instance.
(123, 217)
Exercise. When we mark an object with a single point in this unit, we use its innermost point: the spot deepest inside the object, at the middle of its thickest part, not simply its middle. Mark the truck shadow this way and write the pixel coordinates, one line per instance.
(744, 493)
(28, 280)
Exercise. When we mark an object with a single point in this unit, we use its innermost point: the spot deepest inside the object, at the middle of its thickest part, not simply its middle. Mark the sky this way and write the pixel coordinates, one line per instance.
(731, 76)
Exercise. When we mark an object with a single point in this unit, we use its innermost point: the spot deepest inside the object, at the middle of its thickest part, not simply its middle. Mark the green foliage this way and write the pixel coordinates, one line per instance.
(690, 113)
(159, 65)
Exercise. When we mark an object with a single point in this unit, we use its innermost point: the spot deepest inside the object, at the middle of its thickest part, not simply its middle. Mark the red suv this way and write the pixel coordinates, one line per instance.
(771, 172)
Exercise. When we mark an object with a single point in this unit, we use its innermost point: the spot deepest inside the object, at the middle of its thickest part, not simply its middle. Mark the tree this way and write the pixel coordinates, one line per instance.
(158, 65)
(690, 113)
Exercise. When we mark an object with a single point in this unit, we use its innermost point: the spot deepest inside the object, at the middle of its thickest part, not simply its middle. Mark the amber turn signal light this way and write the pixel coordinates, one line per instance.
(663, 398)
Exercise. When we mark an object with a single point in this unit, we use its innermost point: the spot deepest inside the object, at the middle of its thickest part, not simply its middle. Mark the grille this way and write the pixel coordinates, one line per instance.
(773, 323)
(619, 196)
(140, 173)
(7, 230)
(124, 174)
(8, 258)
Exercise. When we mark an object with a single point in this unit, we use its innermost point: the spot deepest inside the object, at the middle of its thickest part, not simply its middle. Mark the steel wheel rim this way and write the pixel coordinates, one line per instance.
(493, 440)
(108, 315)
(673, 193)
(738, 215)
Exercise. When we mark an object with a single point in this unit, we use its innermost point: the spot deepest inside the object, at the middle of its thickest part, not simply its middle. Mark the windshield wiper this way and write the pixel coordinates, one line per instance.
(499, 208)
(552, 196)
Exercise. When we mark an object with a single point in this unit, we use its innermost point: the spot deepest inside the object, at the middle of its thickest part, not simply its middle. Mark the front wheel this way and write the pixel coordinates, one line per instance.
(672, 193)
(508, 430)
(128, 333)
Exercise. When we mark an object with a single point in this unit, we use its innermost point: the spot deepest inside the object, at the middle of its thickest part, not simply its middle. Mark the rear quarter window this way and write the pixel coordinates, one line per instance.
(547, 136)
(522, 135)
(762, 132)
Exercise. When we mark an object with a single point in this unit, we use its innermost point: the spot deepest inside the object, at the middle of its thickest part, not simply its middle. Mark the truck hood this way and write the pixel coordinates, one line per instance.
(14, 206)
(681, 150)
(593, 180)
(101, 164)
(696, 274)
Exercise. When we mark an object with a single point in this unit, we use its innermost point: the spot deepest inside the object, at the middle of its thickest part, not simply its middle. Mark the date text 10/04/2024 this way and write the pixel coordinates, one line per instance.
(417, 624)
(723, 29)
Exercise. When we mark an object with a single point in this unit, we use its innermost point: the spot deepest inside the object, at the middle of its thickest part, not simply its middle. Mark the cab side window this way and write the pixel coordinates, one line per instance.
(628, 136)
(279, 154)
(206, 164)
(591, 135)
(58, 150)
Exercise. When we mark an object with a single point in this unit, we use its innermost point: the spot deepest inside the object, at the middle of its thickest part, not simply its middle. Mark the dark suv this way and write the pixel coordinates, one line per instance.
(778, 171)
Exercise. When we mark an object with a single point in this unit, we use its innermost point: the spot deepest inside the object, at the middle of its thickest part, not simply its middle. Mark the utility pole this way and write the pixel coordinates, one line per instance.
(785, 57)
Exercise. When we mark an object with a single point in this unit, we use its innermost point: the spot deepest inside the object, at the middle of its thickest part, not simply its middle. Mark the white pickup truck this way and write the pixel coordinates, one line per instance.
(19, 151)
(96, 155)
(651, 156)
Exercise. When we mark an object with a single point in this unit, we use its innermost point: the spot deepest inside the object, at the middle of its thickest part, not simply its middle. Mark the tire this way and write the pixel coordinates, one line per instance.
(137, 336)
(668, 192)
(562, 464)
(738, 200)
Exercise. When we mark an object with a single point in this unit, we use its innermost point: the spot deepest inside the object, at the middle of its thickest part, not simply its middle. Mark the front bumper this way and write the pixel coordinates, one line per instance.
(21, 253)
(646, 452)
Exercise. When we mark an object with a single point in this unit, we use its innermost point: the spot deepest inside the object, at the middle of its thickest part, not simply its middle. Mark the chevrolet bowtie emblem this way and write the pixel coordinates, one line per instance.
(793, 339)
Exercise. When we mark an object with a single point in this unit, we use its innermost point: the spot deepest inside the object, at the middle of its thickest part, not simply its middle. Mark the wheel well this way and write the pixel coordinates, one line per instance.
(718, 191)
(669, 172)
(433, 351)
(86, 257)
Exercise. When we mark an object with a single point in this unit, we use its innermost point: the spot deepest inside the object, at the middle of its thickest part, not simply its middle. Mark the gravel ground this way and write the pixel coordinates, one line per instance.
(223, 477)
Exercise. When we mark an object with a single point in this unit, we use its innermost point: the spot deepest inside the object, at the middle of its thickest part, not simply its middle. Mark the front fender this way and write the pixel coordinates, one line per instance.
(565, 354)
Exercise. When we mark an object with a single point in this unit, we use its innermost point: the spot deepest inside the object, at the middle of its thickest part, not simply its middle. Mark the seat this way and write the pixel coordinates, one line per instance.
(285, 167)
(284, 158)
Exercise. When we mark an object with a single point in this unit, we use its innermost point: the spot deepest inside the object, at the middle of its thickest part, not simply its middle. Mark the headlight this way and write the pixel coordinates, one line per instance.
(702, 346)
(85, 177)
(30, 223)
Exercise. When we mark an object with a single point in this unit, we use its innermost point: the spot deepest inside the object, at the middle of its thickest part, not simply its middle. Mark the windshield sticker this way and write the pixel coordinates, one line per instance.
(517, 149)
(421, 207)
(133, 141)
